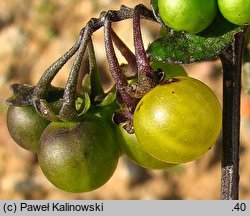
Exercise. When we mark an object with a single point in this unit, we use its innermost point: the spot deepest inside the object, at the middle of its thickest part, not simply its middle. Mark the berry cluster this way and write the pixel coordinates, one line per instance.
(155, 114)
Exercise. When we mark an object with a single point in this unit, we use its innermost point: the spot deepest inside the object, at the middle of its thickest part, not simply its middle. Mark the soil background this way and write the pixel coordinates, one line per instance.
(33, 34)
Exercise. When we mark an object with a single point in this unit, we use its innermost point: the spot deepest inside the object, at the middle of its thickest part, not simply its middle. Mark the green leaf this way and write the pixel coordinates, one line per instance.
(184, 48)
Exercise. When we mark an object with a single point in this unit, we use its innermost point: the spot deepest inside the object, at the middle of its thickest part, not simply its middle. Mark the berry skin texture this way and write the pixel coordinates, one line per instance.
(235, 11)
(178, 121)
(78, 156)
(25, 126)
(192, 16)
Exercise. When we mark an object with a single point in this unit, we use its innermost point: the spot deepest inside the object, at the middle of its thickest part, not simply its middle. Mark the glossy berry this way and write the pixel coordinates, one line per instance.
(192, 16)
(178, 121)
(235, 11)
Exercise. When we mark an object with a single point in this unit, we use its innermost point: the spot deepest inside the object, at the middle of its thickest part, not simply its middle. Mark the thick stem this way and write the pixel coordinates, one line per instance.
(231, 62)
(118, 76)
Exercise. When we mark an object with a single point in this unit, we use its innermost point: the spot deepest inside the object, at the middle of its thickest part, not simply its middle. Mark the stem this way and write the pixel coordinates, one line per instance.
(231, 63)
(126, 52)
(94, 24)
(145, 73)
(68, 111)
(118, 76)
(47, 77)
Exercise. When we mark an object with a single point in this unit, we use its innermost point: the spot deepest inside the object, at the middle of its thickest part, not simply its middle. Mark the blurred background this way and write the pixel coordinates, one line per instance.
(33, 34)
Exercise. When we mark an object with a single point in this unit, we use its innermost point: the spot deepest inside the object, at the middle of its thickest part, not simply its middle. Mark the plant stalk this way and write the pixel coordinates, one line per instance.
(147, 79)
(231, 63)
(119, 78)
